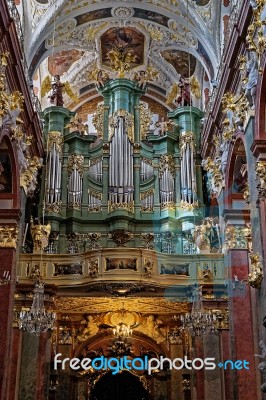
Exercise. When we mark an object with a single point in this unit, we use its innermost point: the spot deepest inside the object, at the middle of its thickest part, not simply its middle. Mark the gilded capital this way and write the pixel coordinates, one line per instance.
(8, 236)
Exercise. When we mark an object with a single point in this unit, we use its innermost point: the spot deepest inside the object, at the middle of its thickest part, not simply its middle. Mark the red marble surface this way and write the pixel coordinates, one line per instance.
(199, 353)
(13, 365)
(42, 377)
(241, 327)
(227, 355)
(7, 257)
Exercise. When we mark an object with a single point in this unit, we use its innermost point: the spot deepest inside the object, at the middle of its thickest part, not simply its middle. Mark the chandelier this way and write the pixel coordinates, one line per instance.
(37, 320)
(6, 279)
(198, 322)
(122, 330)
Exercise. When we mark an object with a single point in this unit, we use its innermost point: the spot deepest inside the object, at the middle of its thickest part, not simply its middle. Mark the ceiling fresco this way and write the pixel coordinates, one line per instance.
(124, 40)
(60, 62)
(175, 38)
(183, 62)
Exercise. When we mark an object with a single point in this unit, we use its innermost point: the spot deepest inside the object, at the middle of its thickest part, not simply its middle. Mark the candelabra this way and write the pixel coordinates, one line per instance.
(37, 320)
(122, 331)
(6, 279)
(198, 322)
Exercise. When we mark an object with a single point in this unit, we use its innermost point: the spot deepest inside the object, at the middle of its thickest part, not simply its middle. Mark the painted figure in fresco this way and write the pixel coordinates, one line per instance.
(56, 98)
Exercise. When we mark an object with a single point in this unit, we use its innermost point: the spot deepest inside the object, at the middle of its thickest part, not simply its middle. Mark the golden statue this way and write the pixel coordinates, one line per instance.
(121, 61)
(40, 234)
(76, 125)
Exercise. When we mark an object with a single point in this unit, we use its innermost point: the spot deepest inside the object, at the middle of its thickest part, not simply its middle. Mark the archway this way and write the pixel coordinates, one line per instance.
(121, 386)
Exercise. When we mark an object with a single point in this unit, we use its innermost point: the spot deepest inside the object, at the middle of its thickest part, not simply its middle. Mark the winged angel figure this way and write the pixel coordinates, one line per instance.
(56, 89)
(181, 92)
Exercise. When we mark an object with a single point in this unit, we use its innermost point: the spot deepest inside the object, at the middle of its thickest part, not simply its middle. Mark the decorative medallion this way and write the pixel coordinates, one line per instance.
(122, 12)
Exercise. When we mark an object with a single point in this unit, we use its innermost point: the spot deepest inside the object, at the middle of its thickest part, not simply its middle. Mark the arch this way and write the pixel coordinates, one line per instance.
(10, 196)
(120, 386)
(236, 174)
(206, 51)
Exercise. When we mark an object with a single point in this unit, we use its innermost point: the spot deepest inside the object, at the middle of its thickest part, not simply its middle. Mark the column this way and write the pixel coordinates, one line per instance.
(8, 263)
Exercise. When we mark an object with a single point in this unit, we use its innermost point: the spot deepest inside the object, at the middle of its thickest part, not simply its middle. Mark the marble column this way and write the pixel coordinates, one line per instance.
(227, 376)
(29, 366)
(176, 351)
(199, 374)
(241, 327)
(44, 356)
(212, 378)
(7, 257)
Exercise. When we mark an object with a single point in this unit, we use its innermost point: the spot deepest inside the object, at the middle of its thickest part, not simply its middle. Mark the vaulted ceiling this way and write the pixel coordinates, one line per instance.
(175, 37)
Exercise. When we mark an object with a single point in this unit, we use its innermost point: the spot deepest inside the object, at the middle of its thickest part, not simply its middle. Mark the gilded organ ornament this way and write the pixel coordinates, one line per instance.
(145, 120)
(97, 120)
(75, 161)
(128, 119)
(55, 139)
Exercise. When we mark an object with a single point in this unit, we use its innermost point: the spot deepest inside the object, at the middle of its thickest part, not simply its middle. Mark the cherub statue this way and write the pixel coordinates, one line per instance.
(77, 125)
(90, 329)
(153, 327)
(140, 78)
(40, 234)
(163, 126)
(57, 89)
(102, 78)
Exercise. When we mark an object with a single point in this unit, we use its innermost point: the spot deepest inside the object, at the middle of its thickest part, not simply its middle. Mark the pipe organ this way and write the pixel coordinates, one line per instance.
(96, 169)
(53, 171)
(146, 169)
(147, 200)
(121, 184)
(188, 173)
(126, 177)
(75, 181)
(94, 201)
(166, 181)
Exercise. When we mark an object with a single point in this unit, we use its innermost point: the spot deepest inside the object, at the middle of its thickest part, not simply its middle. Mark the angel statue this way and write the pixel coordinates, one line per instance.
(90, 329)
(56, 89)
(181, 92)
(76, 125)
(143, 77)
(163, 126)
(98, 75)
(40, 234)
